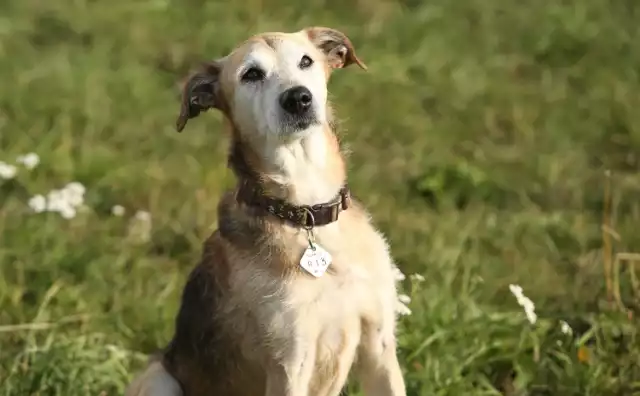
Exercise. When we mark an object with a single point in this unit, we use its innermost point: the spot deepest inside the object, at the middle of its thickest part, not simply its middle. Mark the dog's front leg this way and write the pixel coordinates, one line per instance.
(378, 367)
(291, 376)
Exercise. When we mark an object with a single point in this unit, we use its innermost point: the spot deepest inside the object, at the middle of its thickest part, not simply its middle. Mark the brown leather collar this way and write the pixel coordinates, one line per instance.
(304, 216)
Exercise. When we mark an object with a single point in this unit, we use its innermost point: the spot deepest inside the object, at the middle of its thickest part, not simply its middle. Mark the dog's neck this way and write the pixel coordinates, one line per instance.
(307, 171)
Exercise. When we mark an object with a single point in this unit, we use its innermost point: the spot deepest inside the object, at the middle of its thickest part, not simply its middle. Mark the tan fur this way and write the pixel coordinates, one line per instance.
(252, 322)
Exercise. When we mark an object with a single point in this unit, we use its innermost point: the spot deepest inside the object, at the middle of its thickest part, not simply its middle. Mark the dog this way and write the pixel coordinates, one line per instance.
(296, 285)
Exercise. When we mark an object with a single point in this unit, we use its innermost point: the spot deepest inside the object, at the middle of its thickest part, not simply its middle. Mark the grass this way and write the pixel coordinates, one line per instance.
(481, 135)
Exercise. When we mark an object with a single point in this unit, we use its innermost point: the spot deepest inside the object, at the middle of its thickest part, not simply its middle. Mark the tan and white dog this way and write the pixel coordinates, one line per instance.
(296, 285)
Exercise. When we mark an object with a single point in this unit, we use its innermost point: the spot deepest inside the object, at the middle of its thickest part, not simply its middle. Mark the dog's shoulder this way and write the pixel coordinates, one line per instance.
(197, 320)
(203, 352)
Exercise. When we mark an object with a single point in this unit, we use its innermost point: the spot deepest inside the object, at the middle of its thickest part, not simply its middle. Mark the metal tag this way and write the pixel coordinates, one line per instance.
(315, 260)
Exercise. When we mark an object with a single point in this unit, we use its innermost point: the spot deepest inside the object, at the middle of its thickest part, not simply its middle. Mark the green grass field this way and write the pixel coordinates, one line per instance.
(481, 137)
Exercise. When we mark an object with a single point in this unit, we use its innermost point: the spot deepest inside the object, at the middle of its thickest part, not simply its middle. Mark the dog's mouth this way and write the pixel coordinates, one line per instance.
(300, 123)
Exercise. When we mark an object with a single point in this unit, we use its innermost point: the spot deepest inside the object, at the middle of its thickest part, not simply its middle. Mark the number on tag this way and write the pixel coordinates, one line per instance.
(315, 260)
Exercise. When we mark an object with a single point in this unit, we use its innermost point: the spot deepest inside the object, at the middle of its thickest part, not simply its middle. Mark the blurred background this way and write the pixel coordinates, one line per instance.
(495, 143)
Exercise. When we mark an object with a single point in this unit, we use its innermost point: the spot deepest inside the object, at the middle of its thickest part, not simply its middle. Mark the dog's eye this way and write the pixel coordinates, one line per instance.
(305, 62)
(252, 75)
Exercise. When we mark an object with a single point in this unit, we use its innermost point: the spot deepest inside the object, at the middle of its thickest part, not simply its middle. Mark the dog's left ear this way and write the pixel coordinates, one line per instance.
(201, 92)
(336, 46)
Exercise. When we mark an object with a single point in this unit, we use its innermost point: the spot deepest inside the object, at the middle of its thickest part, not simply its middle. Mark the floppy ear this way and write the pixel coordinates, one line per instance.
(336, 46)
(201, 92)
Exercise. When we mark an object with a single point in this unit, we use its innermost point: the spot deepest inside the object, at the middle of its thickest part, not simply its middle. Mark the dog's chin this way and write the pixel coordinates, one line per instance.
(299, 126)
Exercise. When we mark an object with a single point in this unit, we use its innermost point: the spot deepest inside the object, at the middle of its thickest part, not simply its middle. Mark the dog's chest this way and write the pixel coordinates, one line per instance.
(356, 286)
(352, 270)
(322, 319)
(358, 278)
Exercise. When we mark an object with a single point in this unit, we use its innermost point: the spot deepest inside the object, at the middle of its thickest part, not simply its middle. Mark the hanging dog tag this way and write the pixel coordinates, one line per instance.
(315, 260)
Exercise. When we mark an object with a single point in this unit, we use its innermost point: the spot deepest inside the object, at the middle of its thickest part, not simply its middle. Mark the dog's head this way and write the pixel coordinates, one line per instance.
(274, 86)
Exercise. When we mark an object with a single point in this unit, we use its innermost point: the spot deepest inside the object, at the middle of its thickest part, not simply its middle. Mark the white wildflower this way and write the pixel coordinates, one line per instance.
(29, 161)
(55, 201)
(565, 328)
(402, 309)
(38, 203)
(143, 216)
(67, 201)
(76, 188)
(140, 227)
(68, 212)
(399, 276)
(7, 171)
(403, 298)
(118, 210)
(516, 290)
(73, 194)
(417, 277)
(525, 303)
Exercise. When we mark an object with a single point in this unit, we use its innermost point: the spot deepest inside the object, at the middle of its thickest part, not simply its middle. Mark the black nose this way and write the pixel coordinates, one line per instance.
(296, 100)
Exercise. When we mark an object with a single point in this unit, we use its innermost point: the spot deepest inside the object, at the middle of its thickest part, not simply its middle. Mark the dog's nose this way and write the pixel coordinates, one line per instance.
(296, 100)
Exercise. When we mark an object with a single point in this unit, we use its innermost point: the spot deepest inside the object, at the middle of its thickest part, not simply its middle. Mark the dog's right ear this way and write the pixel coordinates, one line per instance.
(201, 92)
